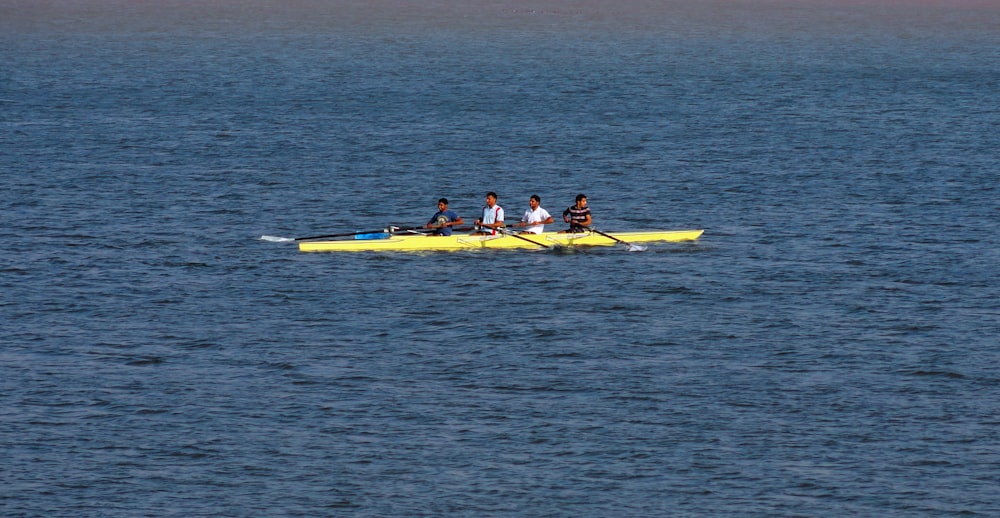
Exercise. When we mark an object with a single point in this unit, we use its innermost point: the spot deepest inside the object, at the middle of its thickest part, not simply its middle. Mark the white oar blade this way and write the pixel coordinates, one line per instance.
(636, 248)
(276, 239)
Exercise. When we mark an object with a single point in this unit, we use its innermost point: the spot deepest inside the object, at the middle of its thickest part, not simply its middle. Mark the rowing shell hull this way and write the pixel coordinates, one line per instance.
(420, 243)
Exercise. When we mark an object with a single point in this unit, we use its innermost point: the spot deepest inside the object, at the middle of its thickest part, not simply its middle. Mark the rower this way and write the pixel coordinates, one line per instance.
(578, 216)
(535, 218)
(443, 219)
(492, 217)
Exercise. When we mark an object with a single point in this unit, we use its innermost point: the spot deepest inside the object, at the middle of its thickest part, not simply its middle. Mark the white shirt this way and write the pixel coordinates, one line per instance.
(492, 214)
(535, 216)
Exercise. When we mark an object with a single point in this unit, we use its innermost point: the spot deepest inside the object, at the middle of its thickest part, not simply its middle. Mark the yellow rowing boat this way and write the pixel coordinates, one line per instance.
(419, 242)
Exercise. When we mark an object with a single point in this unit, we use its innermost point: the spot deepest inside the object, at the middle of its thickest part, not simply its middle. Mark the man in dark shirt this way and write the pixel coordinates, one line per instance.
(578, 216)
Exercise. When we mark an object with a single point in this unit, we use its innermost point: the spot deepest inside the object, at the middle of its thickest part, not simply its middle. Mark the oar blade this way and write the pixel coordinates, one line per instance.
(276, 239)
(631, 247)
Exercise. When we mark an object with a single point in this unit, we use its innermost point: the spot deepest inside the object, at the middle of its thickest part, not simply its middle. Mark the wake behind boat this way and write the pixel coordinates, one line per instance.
(420, 242)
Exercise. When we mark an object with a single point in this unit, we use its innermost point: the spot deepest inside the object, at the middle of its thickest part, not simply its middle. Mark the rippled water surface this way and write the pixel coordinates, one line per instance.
(828, 347)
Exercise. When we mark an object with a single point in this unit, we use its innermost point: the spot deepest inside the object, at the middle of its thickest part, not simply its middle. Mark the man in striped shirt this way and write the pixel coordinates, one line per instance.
(578, 216)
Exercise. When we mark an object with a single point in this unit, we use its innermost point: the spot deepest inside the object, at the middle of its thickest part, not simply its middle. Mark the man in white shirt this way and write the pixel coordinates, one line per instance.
(492, 215)
(535, 218)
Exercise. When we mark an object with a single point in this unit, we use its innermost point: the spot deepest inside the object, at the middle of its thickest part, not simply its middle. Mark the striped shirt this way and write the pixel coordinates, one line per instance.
(576, 217)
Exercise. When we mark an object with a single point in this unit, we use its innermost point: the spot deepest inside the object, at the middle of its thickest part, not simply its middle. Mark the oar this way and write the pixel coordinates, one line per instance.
(631, 247)
(453, 229)
(388, 230)
(504, 231)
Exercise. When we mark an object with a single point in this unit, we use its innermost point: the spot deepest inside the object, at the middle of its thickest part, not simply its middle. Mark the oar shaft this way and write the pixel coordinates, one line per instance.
(453, 229)
(532, 241)
(630, 247)
(347, 234)
(594, 230)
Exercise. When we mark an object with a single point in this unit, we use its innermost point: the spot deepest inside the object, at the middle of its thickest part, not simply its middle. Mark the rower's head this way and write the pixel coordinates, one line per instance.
(491, 199)
(443, 204)
(534, 201)
(581, 200)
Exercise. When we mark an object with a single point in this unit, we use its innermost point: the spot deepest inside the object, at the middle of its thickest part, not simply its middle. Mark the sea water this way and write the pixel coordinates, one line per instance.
(827, 347)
